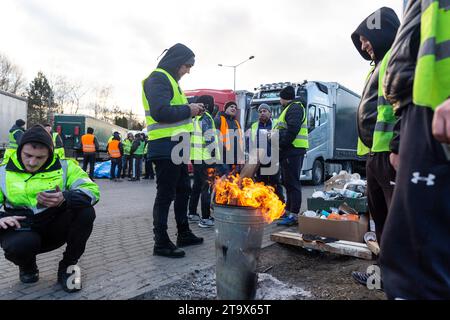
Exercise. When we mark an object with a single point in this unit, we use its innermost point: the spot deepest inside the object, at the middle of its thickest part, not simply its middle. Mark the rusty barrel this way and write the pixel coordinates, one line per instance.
(239, 234)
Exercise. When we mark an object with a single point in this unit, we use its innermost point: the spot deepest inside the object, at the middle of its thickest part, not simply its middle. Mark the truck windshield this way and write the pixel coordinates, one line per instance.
(253, 114)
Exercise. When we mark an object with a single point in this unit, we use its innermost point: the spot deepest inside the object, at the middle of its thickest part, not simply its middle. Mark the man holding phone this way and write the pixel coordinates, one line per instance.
(48, 202)
(169, 120)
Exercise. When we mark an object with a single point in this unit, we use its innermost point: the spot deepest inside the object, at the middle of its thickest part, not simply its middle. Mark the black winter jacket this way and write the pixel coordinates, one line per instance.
(399, 79)
(381, 40)
(294, 119)
(159, 93)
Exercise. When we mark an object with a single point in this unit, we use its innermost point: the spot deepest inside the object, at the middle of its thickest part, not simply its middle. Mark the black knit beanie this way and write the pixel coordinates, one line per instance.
(288, 93)
(20, 123)
(208, 102)
(36, 134)
(229, 104)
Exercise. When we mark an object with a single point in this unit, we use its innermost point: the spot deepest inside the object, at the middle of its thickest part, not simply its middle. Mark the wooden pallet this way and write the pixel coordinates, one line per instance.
(354, 249)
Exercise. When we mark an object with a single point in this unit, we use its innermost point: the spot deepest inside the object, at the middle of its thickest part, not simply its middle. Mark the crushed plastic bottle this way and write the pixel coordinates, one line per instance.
(348, 193)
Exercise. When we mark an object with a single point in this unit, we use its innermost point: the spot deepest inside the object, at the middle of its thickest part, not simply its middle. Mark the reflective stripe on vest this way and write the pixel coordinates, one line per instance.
(225, 133)
(301, 141)
(362, 149)
(113, 149)
(254, 132)
(432, 80)
(157, 130)
(12, 140)
(58, 151)
(34, 184)
(384, 128)
(199, 148)
(146, 148)
(88, 143)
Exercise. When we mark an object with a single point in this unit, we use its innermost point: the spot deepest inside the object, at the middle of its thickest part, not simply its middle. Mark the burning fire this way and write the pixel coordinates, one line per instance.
(234, 191)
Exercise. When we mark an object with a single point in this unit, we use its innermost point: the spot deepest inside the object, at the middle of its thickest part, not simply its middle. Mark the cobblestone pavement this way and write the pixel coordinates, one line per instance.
(118, 262)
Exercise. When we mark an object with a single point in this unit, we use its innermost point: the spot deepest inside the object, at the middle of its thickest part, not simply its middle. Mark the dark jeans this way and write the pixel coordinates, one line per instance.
(89, 158)
(116, 163)
(137, 166)
(201, 188)
(415, 248)
(149, 172)
(62, 226)
(272, 180)
(127, 165)
(290, 170)
(380, 174)
(173, 184)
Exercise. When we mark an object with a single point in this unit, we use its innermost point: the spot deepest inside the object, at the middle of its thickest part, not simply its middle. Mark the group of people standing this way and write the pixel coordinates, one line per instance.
(403, 125)
(217, 144)
(126, 156)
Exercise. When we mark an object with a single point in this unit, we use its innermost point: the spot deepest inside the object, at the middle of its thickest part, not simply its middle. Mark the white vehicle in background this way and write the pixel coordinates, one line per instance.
(12, 107)
(331, 113)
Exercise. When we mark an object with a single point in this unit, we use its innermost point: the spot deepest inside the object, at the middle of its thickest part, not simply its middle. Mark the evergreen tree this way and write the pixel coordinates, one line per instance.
(41, 106)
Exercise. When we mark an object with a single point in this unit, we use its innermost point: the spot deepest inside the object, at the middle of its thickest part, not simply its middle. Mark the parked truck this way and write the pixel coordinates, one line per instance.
(331, 112)
(221, 97)
(12, 107)
(73, 127)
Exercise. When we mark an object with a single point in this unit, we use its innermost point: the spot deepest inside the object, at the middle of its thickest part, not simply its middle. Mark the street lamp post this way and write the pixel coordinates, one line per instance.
(234, 69)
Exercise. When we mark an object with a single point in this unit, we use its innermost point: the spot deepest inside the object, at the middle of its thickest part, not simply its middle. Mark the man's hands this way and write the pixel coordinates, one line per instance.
(51, 200)
(395, 160)
(441, 122)
(196, 109)
(11, 222)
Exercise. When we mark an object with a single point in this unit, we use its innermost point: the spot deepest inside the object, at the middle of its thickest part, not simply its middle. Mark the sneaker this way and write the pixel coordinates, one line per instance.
(193, 217)
(168, 250)
(363, 277)
(285, 215)
(187, 238)
(206, 223)
(29, 274)
(69, 282)
(360, 277)
(288, 221)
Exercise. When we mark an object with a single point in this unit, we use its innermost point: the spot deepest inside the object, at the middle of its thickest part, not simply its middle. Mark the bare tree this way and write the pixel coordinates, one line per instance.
(102, 95)
(68, 94)
(61, 92)
(11, 77)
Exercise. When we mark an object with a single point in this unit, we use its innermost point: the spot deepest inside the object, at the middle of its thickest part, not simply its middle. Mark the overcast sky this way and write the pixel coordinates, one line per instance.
(117, 43)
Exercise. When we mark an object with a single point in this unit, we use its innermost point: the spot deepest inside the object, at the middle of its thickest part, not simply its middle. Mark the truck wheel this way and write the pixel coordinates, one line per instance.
(317, 173)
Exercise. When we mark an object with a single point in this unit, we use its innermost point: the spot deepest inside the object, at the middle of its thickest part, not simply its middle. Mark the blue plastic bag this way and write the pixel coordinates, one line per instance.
(102, 170)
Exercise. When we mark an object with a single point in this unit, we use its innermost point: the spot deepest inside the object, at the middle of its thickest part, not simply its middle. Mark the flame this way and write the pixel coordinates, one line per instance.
(246, 193)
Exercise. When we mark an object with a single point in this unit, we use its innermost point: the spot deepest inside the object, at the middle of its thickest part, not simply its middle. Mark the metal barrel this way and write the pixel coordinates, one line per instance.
(239, 234)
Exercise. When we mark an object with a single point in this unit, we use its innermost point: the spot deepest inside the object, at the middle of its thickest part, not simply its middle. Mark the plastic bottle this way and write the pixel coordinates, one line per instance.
(348, 193)
(325, 213)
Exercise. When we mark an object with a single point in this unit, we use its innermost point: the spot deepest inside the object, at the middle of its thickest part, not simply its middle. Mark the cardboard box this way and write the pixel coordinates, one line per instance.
(359, 204)
(341, 230)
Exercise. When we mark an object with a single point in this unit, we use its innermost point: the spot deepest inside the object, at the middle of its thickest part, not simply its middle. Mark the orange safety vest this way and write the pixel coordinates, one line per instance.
(113, 149)
(88, 143)
(224, 133)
